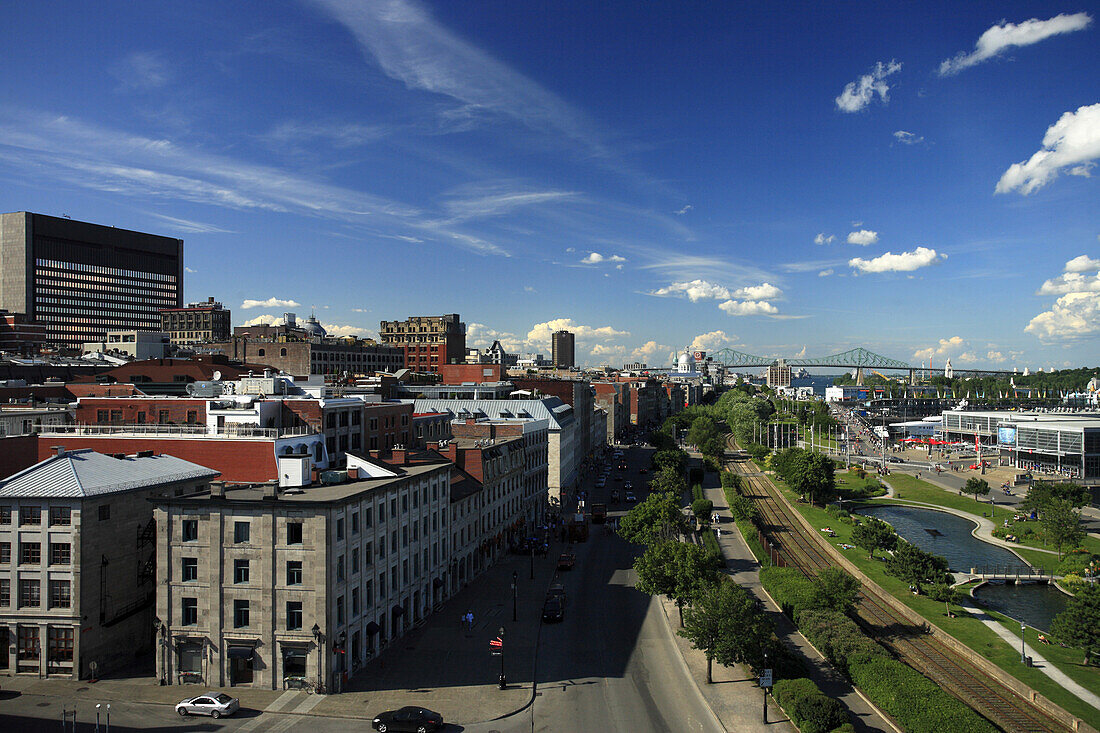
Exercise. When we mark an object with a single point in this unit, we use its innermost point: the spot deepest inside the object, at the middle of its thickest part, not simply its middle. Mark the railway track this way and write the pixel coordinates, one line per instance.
(802, 549)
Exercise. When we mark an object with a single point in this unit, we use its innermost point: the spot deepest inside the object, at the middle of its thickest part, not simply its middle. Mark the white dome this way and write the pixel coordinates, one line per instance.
(312, 327)
(685, 363)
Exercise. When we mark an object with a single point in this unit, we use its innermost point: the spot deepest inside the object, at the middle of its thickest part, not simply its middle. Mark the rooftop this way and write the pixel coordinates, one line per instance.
(84, 473)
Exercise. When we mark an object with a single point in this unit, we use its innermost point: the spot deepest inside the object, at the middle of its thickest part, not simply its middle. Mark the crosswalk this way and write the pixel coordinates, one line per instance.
(274, 718)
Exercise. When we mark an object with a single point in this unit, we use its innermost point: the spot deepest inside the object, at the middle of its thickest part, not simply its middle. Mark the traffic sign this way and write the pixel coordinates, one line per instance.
(496, 643)
(766, 678)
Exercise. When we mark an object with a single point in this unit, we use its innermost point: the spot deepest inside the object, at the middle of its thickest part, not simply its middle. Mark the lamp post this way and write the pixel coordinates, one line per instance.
(1023, 654)
(319, 637)
(514, 579)
(503, 681)
(160, 630)
(532, 561)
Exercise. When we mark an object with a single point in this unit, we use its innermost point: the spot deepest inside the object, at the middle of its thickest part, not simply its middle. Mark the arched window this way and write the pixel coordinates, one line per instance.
(317, 454)
(260, 352)
(282, 351)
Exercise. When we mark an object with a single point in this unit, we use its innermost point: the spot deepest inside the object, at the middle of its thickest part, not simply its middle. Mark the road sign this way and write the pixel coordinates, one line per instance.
(496, 643)
(766, 678)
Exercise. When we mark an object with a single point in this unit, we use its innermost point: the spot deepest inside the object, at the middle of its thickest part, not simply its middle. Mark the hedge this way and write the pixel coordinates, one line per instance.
(748, 531)
(838, 637)
(792, 590)
(914, 701)
(808, 707)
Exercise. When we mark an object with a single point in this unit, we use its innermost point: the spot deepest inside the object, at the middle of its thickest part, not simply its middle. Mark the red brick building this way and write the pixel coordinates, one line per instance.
(428, 342)
(467, 373)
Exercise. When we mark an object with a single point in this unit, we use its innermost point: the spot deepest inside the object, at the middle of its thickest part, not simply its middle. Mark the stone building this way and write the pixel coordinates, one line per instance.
(427, 341)
(198, 323)
(76, 559)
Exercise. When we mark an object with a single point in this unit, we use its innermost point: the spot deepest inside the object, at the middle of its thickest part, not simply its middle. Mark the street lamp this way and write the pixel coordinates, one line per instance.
(1023, 655)
(514, 579)
(319, 637)
(160, 632)
(503, 680)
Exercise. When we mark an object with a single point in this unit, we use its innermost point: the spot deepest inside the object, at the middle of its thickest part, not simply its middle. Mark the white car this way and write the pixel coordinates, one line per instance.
(214, 704)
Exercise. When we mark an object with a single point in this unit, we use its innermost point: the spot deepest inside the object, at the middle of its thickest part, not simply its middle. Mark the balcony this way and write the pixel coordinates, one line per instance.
(230, 430)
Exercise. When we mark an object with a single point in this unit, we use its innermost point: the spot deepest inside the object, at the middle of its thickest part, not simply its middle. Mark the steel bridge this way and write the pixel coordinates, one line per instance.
(858, 359)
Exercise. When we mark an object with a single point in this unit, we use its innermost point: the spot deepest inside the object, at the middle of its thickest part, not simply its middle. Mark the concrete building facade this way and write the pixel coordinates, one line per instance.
(197, 323)
(427, 341)
(563, 349)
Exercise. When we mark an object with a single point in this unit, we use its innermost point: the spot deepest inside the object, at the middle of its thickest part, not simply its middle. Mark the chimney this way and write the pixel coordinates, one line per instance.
(59, 449)
(353, 473)
(271, 490)
(217, 489)
(400, 456)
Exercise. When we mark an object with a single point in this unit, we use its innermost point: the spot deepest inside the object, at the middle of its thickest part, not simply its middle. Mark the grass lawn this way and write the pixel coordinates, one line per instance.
(963, 627)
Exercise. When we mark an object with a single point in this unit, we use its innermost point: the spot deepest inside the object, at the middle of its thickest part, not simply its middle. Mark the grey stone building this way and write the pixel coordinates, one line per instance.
(76, 560)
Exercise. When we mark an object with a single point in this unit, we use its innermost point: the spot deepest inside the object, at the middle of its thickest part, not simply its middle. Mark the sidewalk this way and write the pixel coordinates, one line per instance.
(742, 566)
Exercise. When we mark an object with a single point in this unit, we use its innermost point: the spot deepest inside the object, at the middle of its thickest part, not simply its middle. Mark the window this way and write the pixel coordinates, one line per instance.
(60, 644)
(5, 514)
(60, 553)
(355, 522)
(192, 417)
(30, 553)
(189, 611)
(5, 592)
(60, 594)
(240, 614)
(367, 517)
(367, 559)
(393, 507)
(340, 567)
(104, 512)
(240, 571)
(282, 351)
(354, 602)
(294, 533)
(30, 515)
(293, 615)
(393, 579)
(340, 620)
(60, 516)
(405, 536)
(189, 569)
(369, 594)
(405, 503)
(293, 572)
(5, 553)
(241, 532)
(381, 585)
(261, 352)
(28, 643)
(30, 594)
(340, 528)
(162, 416)
(355, 561)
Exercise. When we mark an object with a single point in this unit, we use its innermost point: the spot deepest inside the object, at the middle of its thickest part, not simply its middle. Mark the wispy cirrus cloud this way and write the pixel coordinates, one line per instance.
(821, 238)
(187, 225)
(1074, 140)
(908, 138)
(141, 71)
(861, 92)
(999, 38)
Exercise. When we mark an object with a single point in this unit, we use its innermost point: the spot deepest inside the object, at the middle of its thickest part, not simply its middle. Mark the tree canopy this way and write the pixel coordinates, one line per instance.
(976, 486)
(727, 625)
(655, 519)
(809, 473)
(836, 590)
(676, 570)
(1061, 524)
(1079, 624)
(916, 567)
(874, 534)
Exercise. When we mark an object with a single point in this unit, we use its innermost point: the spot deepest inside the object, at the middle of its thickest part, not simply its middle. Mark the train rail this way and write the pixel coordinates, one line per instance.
(912, 644)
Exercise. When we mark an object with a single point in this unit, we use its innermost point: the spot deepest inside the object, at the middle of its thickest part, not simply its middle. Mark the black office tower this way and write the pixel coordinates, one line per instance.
(81, 280)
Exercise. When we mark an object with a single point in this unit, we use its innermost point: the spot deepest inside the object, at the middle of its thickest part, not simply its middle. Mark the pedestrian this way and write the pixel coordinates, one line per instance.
(718, 531)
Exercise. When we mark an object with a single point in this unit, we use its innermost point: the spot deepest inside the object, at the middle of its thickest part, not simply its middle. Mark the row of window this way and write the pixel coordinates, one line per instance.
(28, 649)
(30, 553)
(30, 593)
(70, 267)
(60, 516)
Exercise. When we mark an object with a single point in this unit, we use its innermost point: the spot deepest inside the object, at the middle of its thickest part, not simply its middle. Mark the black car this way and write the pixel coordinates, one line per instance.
(552, 610)
(409, 718)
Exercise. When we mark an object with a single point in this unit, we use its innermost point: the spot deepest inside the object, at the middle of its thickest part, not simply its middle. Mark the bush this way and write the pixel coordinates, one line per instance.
(838, 637)
(808, 706)
(914, 701)
(792, 590)
(846, 728)
(710, 544)
(748, 531)
(741, 507)
(1078, 562)
(731, 480)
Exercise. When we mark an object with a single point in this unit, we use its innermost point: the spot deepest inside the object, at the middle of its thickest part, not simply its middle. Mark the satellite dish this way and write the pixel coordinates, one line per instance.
(217, 375)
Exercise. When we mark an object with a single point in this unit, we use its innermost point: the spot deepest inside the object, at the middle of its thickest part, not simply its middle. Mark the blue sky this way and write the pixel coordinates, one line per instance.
(783, 179)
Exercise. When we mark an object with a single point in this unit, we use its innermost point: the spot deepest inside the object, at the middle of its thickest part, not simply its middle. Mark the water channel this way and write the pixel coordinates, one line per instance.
(950, 537)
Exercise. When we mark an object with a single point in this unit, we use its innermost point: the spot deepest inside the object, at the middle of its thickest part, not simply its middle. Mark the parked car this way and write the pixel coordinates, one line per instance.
(630, 497)
(643, 469)
(553, 610)
(409, 718)
(628, 485)
(557, 590)
(566, 561)
(214, 704)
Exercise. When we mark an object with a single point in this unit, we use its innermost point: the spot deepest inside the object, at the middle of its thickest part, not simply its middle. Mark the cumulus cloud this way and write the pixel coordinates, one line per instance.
(860, 93)
(695, 290)
(763, 291)
(648, 350)
(946, 347)
(479, 335)
(863, 237)
(595, 258)
(1073, 317)
(901, 262)
(1074, 140)
(825, 273)
(711, 340)
(539, 335)
(907, 138)
(995, 356)
(264, 320)
(1007, 35)
(1082, 263)
(822, 239)
(1075, 278)
(269, 303)
(748, 308)
(337, 329)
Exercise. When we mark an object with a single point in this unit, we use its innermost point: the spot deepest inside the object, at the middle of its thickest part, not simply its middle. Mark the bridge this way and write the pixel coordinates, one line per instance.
(858, 359)
(1010, 574)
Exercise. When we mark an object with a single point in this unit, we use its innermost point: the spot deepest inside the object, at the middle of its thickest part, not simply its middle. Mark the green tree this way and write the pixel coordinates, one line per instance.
(874, 534)
(758, 452)
(701, 430)
(813, 474)
(742, 508)
(727, 625)
(677, 570)
(836, 590)
(1041, 493)
(946, 594)
(1061, 525)
(668, 481)
(1079, 624)
(915, 566)
(674, 458)
(702, 509)
(656, 519)
(976, 486)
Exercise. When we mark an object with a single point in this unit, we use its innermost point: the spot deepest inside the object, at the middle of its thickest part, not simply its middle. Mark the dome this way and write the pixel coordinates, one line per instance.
(685, 362)
(313, 328)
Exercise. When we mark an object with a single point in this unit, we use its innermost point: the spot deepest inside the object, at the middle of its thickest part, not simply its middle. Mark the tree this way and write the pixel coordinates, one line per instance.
(702, 509)
(916, 567)
(676, 570)
(701, 431)
(1041, 493)
(727, 625)
(674, 458)
(1079, 624)
(655, 519)
(976, 486)
(836, 590)
(742, 508)
(874, 534)
(668, 481)
(946, 594)
(1061, 524)
(811, 474)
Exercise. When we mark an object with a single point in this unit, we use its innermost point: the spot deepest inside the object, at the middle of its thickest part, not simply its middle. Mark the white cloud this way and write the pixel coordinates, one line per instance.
(901, 262)
(338, 134)
(479, 335)
(188, 269)
(1008, 35)
(539, 335)
(188, 225)
(1082, 263)
(360, 310)
(269, 303)
(711, 340)
(908, 138)
(695, 290)
(945, 347)
(1084, 170)
(648, 350)
(860, 93)
(141, 71)
(1073, 317)
(764, 291)
(1074, 139)
(822, 239)
(595, 258)
(336, 329)
(863, 237)
(264, 320)
(748, 308)
(684, 210)
(995, 356)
